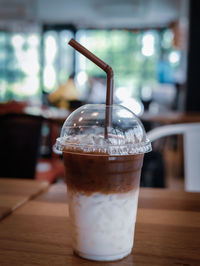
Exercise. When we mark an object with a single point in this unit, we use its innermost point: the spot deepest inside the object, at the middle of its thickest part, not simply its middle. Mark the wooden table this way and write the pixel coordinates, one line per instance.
(167, 231)
(51, 114)
(58, 116)
(14, 193)
(171, 117)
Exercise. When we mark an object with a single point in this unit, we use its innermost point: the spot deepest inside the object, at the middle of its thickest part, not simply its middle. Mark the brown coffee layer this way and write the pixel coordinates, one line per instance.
(90, 172)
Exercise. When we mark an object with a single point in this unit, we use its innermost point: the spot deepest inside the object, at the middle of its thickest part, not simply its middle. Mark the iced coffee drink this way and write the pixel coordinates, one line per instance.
(103, 176)
(103, 148)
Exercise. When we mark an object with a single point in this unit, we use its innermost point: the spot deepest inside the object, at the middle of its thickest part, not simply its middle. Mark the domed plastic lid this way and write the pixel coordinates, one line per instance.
(84, 130)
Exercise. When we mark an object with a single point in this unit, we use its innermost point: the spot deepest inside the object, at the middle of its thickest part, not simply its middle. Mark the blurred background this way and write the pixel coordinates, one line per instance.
(152, 46)
(145, 43)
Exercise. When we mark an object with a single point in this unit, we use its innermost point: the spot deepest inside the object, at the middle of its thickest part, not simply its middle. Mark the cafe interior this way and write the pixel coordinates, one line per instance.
(153, 49)
(43, 80)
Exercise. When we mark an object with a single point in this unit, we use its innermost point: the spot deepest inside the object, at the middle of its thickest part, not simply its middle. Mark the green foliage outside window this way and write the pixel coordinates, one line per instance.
(134, 56)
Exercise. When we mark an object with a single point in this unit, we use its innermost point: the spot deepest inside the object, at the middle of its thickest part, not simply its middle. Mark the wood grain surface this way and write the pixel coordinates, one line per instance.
(171, 117)
(15, 192)
(167, 231)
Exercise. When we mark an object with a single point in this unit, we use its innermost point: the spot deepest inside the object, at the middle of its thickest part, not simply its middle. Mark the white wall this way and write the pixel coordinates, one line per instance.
(101, 13)
(95, 13)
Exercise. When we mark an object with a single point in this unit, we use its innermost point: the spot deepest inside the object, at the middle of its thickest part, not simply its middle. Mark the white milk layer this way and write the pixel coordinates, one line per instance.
(103, 225)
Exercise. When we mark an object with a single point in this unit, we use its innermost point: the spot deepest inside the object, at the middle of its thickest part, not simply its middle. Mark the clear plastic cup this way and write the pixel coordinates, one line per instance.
(103, 177)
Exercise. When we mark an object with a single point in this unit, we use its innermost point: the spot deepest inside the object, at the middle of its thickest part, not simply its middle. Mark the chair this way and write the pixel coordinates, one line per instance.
(52, 168)
(191, 136)
(20, 136)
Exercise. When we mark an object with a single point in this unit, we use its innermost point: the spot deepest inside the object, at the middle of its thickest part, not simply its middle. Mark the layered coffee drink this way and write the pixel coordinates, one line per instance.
(103, 197)
(103, 177)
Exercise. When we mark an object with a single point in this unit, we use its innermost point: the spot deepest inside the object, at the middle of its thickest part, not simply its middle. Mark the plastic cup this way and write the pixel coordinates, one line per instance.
(103, 177)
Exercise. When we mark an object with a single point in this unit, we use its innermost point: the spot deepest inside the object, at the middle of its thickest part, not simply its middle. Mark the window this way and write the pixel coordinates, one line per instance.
(133, 56)
(20, 65)
(58, 58)
(31, 63)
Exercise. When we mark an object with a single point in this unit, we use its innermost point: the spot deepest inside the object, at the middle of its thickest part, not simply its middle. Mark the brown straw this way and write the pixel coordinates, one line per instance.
(110, 80)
